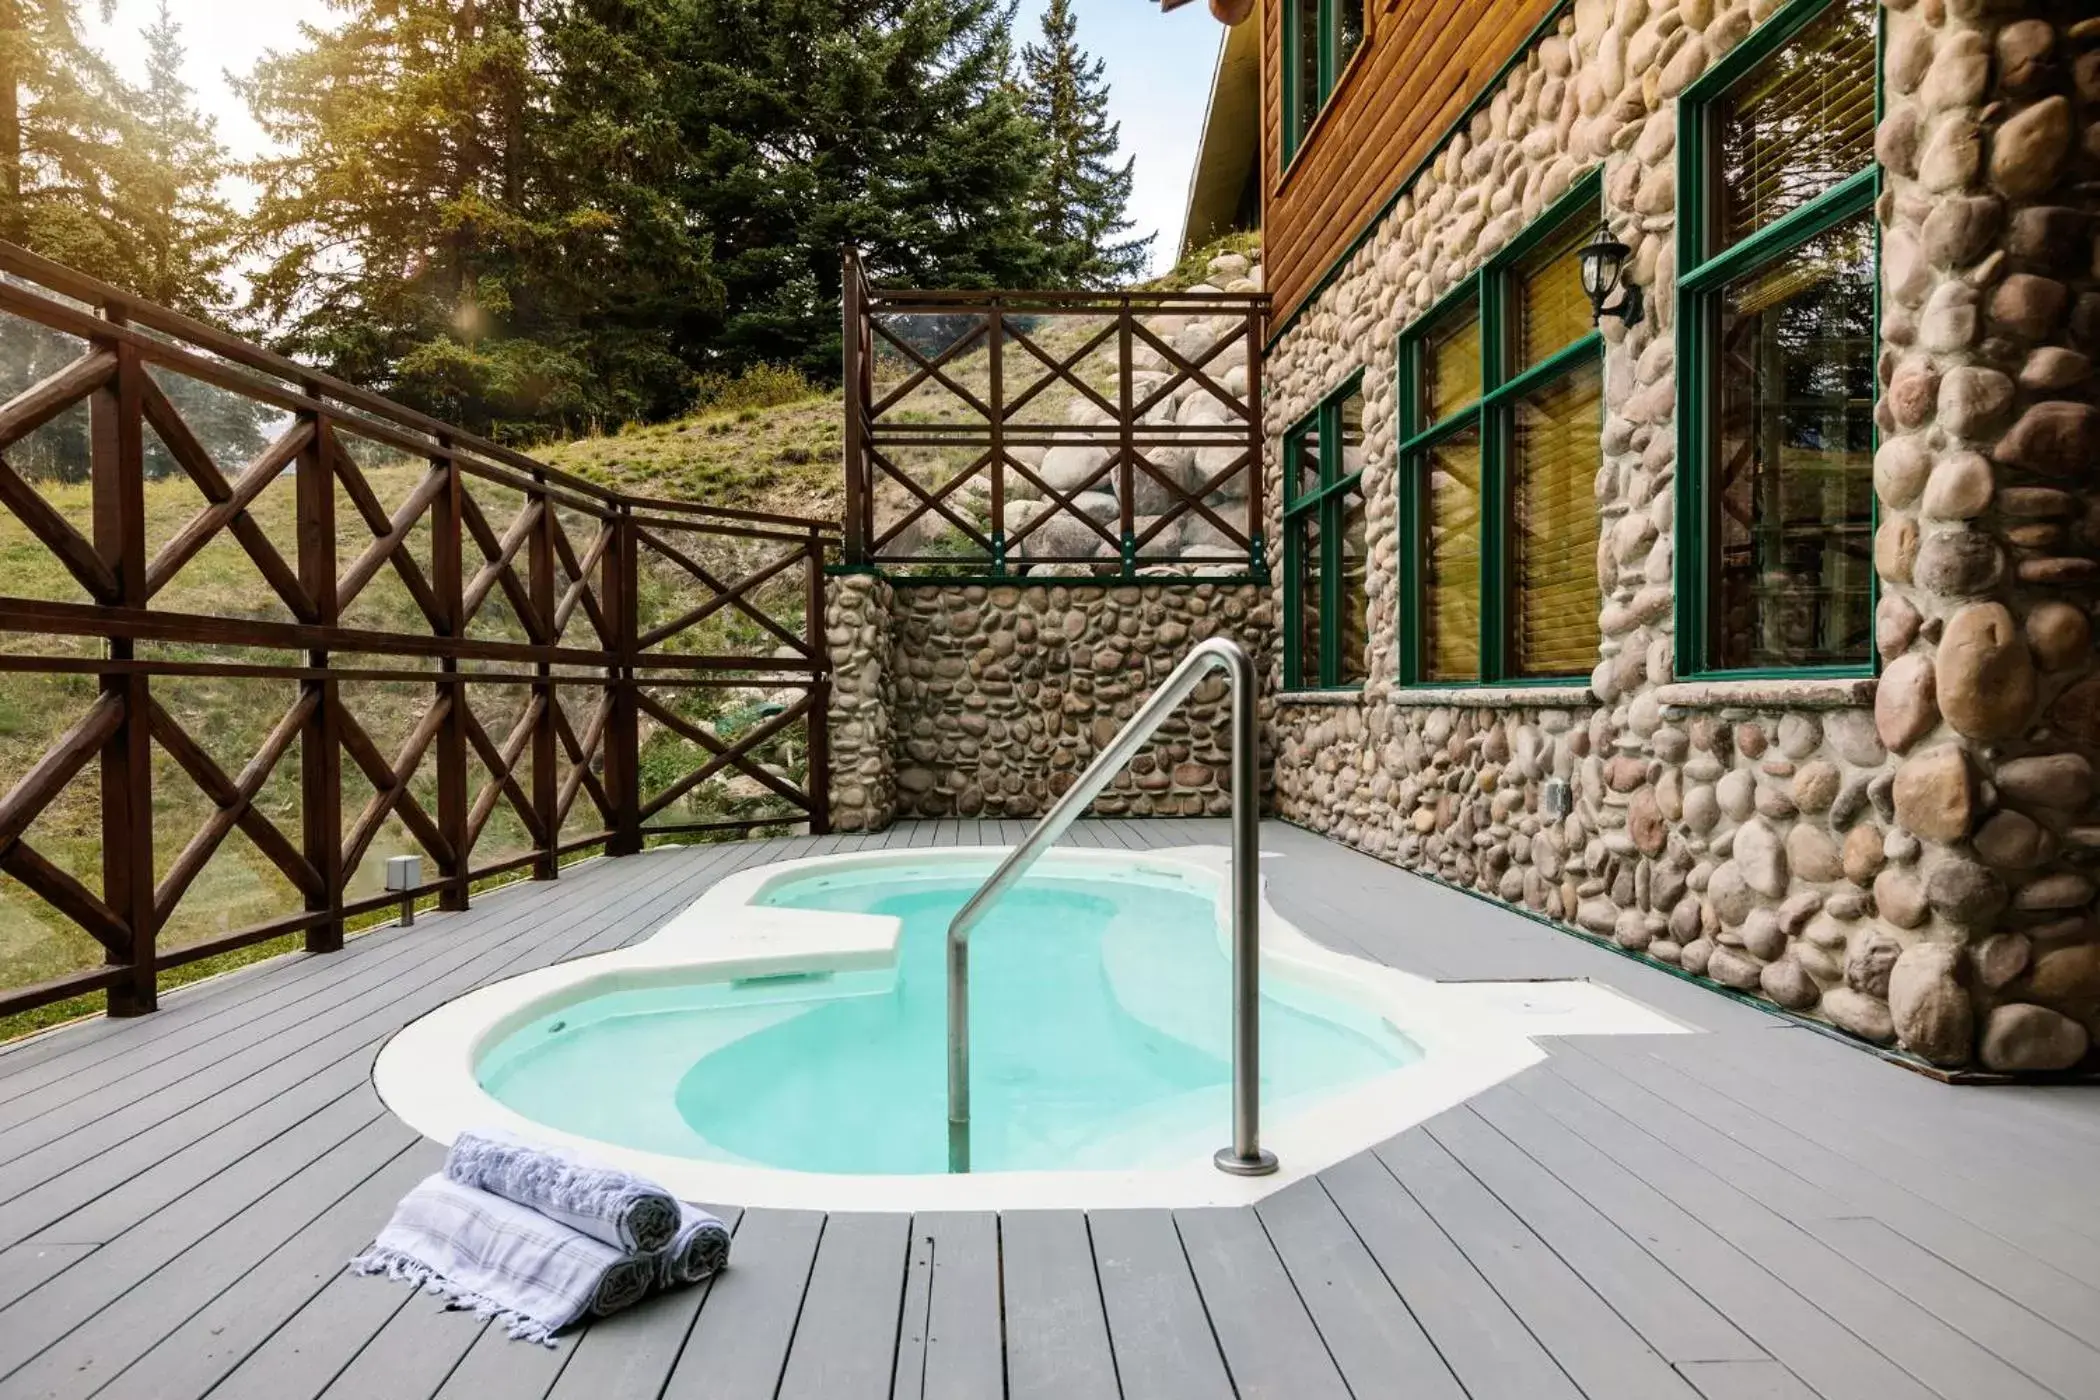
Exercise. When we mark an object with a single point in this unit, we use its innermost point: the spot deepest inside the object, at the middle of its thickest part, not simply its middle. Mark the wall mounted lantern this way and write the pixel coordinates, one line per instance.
(1603, 272)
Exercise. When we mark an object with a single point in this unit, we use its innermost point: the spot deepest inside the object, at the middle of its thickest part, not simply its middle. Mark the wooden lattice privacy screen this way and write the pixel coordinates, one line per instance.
(1059, 434)
(237, 595)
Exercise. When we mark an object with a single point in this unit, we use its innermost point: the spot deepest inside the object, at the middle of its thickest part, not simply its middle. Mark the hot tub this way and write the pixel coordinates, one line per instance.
(782, 1040)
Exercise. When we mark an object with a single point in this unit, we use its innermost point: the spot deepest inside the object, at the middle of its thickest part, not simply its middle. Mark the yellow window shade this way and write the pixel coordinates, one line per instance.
(1451, 553)
(1797, 124)
(1554, 526)
(1451, 364)
(1552, 310)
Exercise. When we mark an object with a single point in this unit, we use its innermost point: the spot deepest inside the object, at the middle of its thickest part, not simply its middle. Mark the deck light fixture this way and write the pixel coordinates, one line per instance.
(403, 875)
(1603, 271)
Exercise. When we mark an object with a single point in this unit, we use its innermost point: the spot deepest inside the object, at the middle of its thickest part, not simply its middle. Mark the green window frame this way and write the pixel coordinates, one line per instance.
(1335, 42)
(1708, 269)
(1315, 528)
(1490, 420)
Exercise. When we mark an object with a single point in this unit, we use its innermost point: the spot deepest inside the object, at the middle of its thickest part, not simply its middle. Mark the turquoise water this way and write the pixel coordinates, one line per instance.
(1101, 1037)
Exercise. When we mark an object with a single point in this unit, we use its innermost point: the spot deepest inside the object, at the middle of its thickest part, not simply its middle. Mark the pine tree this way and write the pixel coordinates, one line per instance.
(63, 119)
(120, 183)
(892, 125)
(468, 213)
(1084, 196)
(169, 190)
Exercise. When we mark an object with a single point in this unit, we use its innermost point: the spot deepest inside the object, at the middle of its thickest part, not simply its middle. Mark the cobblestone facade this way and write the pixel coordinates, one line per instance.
(987, 701)
(1909, 859)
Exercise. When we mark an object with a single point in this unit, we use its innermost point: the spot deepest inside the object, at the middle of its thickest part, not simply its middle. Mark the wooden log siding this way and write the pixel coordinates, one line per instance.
(586, 662)
(1421, 63)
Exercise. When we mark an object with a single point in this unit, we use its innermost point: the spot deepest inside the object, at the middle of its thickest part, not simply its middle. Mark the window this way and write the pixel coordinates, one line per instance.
(1325, 604)
(1319, 39)
(1501, 419)
(1776, 346)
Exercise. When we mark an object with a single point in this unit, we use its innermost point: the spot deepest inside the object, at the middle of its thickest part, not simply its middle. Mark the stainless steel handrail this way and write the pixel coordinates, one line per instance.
(1245, 1156)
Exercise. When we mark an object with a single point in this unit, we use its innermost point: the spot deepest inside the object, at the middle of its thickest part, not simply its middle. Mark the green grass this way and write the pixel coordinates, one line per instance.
(230, 718)
(765, 440)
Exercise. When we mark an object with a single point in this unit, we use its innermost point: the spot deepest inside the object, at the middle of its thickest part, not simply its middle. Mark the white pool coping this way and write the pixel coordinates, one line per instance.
(1473, 1036)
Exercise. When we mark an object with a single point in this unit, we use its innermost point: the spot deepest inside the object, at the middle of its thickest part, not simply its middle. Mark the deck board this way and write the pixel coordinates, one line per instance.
(949, 1339)
(1057, 1345)
(1753, 1211)
(1272, 1348)
(1160, 1332)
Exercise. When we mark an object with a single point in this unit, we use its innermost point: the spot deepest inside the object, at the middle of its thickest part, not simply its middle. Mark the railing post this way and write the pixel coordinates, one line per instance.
(1245, 1156)
(853, 312)
(819, 691)
(1257, 444)
(1126, 449)
(995, 399)
(117, 474)
(320, 742)
(447, 563)
(546, 793)
(622, 735)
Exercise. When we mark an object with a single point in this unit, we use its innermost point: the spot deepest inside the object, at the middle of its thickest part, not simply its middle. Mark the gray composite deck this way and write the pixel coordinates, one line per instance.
(1754, 1211)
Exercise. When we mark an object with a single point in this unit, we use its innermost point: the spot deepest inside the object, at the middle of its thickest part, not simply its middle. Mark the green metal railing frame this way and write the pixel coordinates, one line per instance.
(1326, 502)
(1699, 285)
(1487, 288)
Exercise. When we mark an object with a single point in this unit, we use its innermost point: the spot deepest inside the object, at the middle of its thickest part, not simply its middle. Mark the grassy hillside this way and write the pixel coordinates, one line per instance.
(773, 442)
(767, 440)
(231, 718)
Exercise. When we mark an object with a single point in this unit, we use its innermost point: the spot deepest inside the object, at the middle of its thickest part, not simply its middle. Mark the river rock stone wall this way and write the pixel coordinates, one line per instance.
(1910, 859)
(863, 696)
(988, 700)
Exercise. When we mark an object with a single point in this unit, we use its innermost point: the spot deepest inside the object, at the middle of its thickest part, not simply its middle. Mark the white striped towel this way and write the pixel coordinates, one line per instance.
(616, 1207)
(503, 1260)
(700, 1247)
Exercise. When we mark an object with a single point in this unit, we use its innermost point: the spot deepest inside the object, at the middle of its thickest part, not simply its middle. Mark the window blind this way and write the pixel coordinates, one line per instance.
(1554, 525)
(1451, 367)
(1552, 310)
(1797, 124)
(1451, 554)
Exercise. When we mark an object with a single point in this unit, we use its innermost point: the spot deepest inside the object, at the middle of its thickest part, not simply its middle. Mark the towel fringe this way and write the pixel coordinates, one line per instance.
(407, 1269)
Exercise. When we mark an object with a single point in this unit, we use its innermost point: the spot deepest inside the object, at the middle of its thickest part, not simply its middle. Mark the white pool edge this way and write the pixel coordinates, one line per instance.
(426, 1074)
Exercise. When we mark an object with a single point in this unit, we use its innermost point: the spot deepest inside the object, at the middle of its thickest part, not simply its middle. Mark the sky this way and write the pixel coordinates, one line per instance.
(1158, 69)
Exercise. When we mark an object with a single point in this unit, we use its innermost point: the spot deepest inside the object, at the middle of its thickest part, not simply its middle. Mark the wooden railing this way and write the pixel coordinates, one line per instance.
(1062, 433)
(574, 665)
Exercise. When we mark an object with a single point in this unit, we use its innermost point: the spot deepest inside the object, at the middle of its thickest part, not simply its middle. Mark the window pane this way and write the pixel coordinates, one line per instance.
(1796, 124)
(1554, 525)
(1552, 310)
(1793, 456)
(1350, 459)
(1349, 32)
(1450, 364)
(1305, 15)
(1451, 559)
(1356, 599)
(1302, 461)
(1306, 532)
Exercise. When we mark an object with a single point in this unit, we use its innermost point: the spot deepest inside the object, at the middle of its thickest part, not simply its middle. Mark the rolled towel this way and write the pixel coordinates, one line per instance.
(700, 1248)
(612, 1206)
(503, 1260)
